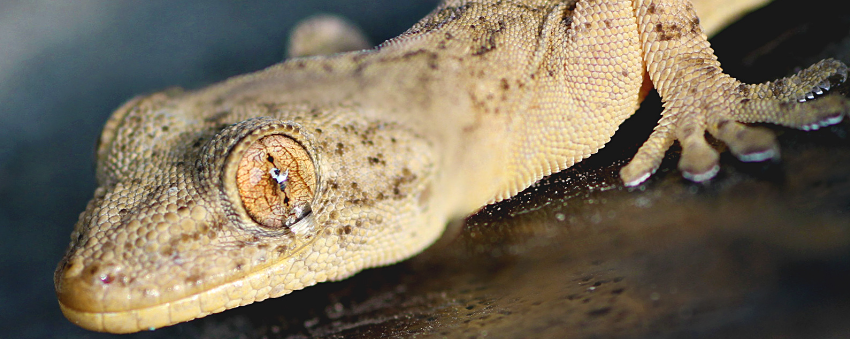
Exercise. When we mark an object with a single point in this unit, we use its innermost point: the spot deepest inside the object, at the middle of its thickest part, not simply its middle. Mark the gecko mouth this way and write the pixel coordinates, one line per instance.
(82, 306)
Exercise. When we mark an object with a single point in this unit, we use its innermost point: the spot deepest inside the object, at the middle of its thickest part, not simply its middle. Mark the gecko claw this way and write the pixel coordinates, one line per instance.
(639, 180)
(838, 77)
(701, 177)
(772, 153)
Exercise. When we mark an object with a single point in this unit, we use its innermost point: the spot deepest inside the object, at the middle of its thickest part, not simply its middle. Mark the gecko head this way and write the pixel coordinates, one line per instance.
(220, 211)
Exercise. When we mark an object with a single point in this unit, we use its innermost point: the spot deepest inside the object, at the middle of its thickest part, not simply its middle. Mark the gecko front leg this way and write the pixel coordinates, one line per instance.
(698, 97)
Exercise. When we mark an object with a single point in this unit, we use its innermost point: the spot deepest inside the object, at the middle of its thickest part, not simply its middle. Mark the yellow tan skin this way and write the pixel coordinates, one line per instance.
(317, 168)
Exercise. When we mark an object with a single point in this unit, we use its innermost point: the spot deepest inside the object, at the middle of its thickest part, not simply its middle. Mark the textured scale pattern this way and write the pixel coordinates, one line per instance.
(320, 167)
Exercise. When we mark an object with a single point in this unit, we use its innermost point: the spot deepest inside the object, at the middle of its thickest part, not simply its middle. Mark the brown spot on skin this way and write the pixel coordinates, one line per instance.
(651, 8)
(281, 249)
(432, 63)
(488, 46)
(411, 54)
(778, 87)
(93, 269)
(193, 279)
(722, 124)
(695, 28)
(608, 23)
(671, 32)
(340, 148)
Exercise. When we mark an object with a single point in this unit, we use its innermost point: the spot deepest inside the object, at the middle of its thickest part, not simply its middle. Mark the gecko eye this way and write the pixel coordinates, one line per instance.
(276, 181)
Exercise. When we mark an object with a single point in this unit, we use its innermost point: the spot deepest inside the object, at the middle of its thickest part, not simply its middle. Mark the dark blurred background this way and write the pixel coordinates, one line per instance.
(64, 66)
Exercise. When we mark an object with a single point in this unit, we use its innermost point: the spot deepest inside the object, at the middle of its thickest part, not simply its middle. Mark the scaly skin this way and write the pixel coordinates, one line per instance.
(317, 168)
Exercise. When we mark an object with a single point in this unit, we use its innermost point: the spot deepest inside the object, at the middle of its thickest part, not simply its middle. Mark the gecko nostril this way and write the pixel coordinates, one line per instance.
(104, 275)
(107, 278)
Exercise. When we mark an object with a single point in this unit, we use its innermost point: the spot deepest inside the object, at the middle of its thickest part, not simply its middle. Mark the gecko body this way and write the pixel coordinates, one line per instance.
(319, 167)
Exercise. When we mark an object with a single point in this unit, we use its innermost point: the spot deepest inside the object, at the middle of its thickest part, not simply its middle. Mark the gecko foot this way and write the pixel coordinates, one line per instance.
(325, 34)
(800, 101)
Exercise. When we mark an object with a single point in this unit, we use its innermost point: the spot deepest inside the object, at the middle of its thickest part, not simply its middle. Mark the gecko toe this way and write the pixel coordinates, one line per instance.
(748, 144)
(648, 157)
(829, 120)
(825, 111)
(699, 161)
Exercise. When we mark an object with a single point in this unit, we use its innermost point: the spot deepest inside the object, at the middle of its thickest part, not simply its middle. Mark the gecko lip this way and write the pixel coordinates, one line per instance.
(103, 305)
(98, 307)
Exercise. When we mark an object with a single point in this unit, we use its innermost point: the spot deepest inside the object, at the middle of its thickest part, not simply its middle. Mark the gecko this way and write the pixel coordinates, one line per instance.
(322, 166)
